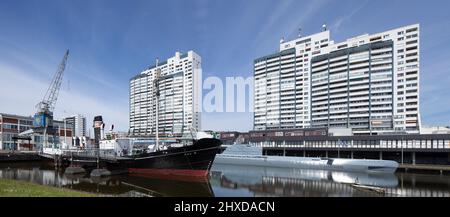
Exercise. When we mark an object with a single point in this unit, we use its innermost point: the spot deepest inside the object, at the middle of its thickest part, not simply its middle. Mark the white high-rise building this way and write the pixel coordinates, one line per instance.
(179, 101)
(78, 123)
(282, 86)
(369, 83)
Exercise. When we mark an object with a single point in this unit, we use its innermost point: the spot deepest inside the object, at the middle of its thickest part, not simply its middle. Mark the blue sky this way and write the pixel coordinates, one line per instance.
(110, 41)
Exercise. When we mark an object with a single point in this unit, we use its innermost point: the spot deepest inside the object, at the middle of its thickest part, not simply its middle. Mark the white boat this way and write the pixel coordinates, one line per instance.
(250, 155)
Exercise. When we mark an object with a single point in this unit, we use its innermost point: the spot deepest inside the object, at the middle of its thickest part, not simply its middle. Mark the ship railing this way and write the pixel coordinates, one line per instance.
(91, 153)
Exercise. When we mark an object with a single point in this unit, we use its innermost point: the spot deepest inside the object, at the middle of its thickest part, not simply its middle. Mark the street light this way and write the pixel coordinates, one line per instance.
(338, 146)
(402, 149)
(65, 130)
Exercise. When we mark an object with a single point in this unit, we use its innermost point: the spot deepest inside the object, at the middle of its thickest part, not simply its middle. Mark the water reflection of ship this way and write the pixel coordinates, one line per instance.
(173, 188)
(297, 182)
(106, 186)
(141, 186)
(109, 186)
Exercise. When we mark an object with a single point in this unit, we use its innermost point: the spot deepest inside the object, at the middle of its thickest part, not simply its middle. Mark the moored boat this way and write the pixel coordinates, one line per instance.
(188, 161)
(251, 155)
(188, 158)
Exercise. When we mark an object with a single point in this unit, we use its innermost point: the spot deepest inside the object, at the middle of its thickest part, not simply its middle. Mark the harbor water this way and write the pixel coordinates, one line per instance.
(241, 181)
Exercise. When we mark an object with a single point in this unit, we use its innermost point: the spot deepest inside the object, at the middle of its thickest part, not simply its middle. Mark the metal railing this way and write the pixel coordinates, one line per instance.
(352, 144)
(91, 153)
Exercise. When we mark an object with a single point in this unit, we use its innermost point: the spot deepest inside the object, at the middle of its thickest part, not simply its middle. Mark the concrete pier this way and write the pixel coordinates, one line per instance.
(100, 173)
(415, 168)
(74, 170)
(106, 172)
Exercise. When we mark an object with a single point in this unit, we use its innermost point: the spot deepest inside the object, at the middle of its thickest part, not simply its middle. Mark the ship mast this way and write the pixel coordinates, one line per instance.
(156, 85)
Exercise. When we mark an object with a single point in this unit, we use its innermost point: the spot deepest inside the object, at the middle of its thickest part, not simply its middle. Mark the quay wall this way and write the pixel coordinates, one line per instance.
(19, 156)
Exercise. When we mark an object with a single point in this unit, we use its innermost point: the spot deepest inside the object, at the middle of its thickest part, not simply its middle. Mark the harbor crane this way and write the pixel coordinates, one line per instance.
(43, 119)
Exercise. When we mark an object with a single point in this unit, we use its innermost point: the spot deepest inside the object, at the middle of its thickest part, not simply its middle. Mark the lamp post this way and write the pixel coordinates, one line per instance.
(338, 146)
(65, 130)
(402, 148)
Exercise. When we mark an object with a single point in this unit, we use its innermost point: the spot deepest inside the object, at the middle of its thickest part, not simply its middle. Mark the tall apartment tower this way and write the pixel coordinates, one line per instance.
(369, 83)
(179, 101)
(282, 85)
(79, 124)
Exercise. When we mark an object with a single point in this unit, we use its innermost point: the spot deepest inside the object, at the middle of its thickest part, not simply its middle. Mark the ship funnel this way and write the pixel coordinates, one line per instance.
(98, 125)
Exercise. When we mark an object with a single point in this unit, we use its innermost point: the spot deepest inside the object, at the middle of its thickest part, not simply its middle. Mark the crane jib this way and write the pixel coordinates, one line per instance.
(44, 115)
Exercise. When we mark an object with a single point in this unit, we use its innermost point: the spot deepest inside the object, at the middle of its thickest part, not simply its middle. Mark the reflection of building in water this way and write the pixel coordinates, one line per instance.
(134, 193)
(315, 183)
(421, 185)
(277, 186)
(409, 192)
(48, 177)
(43, 177)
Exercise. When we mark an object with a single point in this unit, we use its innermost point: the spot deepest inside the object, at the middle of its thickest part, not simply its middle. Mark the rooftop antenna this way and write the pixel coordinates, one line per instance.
(324, 27)
(299, 32)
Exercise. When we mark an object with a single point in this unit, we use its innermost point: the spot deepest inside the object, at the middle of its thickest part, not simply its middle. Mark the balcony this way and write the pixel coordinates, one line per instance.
(318, 69)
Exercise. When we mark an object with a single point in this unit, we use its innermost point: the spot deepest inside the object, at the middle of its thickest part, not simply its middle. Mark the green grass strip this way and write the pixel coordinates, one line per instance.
(14, 188)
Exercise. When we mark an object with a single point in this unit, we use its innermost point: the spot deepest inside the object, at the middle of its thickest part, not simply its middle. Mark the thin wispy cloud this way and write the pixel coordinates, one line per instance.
(275, 17)
(312, 11)
(335, 26)
(286, 19)
(23, 101)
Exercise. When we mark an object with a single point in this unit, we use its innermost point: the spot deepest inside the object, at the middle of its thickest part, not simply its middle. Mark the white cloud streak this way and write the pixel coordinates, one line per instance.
(336, 25)
(20, 94)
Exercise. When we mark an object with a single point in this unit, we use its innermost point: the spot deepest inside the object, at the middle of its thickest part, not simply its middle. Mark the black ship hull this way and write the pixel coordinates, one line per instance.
(191, 162)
